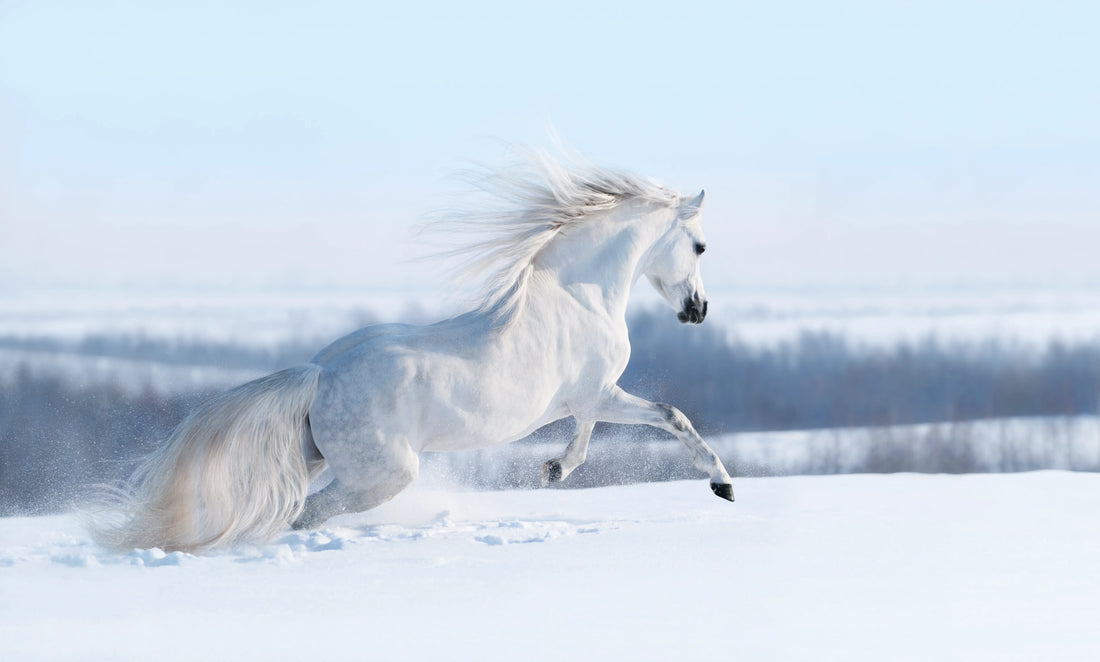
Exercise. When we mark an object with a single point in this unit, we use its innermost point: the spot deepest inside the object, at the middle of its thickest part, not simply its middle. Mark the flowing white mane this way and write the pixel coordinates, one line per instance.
(528, 204)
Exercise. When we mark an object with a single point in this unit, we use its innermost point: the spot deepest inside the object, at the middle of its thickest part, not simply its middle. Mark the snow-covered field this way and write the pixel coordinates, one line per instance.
(854, 567)
(898, 567)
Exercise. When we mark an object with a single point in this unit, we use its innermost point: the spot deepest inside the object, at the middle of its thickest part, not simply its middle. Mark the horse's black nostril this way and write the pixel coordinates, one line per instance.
(702, 312)
(694, 311)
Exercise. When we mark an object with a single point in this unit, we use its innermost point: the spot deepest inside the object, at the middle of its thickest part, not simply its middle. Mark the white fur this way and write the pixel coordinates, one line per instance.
(549, 341)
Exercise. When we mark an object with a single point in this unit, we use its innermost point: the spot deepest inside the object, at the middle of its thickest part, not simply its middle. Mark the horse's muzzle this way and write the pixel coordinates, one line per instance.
(695, 310)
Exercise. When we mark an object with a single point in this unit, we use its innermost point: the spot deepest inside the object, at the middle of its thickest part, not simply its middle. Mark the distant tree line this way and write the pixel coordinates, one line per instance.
(821, 380)
(625, 454)
(57, 437)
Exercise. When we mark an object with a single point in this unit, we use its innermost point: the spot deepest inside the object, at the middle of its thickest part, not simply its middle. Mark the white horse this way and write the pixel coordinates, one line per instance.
(549, 341)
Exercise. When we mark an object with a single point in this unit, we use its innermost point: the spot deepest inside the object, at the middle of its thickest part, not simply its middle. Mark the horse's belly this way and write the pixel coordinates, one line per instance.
(456, 429)
(475, 438)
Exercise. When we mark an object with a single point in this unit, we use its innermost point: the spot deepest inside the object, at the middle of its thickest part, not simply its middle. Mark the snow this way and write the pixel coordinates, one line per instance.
(899, 567)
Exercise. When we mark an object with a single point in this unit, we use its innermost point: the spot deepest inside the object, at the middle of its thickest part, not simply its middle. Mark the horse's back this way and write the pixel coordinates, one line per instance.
(357, 338)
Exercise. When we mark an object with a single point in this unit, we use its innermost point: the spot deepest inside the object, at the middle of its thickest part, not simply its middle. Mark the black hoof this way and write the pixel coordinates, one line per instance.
(724, 490)
(553, 471)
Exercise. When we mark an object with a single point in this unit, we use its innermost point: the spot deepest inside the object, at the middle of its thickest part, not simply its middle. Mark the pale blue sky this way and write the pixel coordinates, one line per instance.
(868, 143)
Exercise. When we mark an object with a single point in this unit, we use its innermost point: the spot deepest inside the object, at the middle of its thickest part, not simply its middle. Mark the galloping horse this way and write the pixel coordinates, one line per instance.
(548, 341)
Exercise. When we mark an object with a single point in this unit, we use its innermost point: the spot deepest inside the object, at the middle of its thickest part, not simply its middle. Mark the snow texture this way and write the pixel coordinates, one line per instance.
(898, 567)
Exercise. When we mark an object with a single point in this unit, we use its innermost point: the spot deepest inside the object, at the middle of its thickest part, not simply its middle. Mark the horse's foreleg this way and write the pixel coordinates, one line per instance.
(556, 470)
(621, 407)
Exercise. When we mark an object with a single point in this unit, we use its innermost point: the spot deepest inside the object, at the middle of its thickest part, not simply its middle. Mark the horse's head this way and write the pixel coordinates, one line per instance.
(673, 264)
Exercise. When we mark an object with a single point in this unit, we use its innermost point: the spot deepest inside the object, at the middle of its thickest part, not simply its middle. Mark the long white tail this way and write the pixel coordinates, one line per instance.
(233, 471)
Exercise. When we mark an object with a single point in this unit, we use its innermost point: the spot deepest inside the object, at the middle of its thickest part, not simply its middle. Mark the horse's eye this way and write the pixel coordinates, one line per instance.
(699, 248)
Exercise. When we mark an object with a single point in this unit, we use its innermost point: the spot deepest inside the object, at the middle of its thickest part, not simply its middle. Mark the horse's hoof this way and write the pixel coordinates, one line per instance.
(724, 490)
(551, 472)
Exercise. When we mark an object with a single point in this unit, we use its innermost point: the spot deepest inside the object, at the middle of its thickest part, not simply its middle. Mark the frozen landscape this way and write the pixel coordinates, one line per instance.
(901, 567)
(900, 364)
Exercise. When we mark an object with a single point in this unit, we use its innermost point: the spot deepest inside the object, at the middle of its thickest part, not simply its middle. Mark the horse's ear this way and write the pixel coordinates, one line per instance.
(692, 207)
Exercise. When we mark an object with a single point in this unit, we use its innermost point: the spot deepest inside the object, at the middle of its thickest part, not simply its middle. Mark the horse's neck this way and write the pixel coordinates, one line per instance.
(597, 262)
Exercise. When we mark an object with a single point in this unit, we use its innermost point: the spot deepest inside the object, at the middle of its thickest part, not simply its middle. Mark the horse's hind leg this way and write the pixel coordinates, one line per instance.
(556, 470)
(366, 478)
(338, 498)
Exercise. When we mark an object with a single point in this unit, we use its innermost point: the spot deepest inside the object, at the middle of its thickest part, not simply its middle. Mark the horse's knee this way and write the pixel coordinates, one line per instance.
(674, 418)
